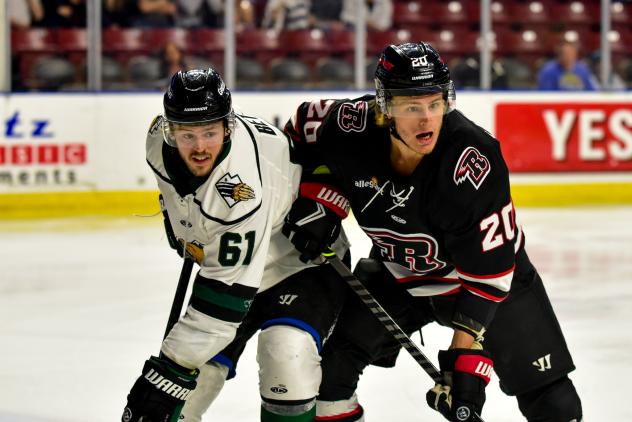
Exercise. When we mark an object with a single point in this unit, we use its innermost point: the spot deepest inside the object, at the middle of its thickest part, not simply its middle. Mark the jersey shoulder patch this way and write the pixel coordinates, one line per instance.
(472, 166)
(233, 190)
(352, 116)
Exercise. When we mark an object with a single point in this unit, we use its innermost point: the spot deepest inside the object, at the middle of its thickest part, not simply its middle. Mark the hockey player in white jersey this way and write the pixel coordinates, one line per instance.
(227, 183)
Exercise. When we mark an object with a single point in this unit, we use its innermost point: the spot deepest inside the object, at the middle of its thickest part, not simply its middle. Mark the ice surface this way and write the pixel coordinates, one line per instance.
(84, 302)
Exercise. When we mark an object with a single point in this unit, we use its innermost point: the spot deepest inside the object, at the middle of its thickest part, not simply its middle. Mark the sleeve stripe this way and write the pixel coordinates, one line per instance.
(224, 300)
(483, 294)
(428, 278)
(500, 281)
(217, 312)
(220, 300)
(477, 277)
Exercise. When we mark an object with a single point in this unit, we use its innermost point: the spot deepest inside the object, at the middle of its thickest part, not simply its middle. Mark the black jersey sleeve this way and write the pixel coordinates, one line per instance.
(311, 143)
(478, 220)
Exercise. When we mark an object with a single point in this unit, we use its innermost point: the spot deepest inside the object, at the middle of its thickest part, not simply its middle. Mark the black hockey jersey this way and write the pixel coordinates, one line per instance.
(449, 228)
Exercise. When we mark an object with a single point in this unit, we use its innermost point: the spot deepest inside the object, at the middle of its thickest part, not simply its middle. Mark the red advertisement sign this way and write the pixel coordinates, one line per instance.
(545, 137)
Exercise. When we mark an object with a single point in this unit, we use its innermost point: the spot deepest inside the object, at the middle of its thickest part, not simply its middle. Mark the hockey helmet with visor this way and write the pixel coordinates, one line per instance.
(196, 98)
(409, 70)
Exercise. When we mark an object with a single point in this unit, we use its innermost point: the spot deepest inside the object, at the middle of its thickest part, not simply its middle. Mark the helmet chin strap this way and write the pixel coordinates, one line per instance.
(394, 131)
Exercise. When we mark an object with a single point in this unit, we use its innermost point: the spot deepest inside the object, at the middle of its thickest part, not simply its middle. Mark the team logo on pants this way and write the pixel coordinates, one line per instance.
(233, 190)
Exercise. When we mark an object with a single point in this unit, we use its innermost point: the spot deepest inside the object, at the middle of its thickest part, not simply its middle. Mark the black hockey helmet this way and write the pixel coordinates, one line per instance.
(412, 69)
(196, 97)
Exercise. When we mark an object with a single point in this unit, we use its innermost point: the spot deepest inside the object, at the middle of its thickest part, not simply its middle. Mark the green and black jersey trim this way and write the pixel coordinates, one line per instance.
(220, 300)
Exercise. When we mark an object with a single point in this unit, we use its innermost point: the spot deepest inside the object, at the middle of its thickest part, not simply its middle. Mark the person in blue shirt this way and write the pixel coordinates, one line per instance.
(566, 72)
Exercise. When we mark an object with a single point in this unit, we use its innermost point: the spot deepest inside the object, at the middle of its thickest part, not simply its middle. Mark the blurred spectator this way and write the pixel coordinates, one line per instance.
(286, 14)
(379, 14)
(198, 14)
(325, 14)
(616, 82)
(244, 14)
(246, 18)
(119, 12)
(155, 13)
(24, 13)
(566, 72)
(466, 74)
(172, 60)
(71, 13)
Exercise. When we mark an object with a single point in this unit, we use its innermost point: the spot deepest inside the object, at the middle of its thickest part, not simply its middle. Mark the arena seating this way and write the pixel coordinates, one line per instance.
(525, 33)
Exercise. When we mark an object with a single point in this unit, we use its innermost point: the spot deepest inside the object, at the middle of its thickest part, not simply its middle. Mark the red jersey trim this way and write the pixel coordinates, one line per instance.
(339, 416)
(483, 294)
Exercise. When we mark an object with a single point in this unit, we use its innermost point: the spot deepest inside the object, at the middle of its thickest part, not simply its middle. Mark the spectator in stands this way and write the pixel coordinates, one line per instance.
(325, 14)
(616, 82)
(119, 12)
(466, 73)
(286, 14)
(24, 13)
(379, 14)
(210, 14)
(246, 18)
(155, 13)
(71, 13)
(172, 59)
(566, 72)
(198, 14)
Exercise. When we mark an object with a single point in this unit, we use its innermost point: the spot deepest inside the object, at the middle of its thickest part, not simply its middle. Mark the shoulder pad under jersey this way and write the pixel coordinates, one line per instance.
(153, 148)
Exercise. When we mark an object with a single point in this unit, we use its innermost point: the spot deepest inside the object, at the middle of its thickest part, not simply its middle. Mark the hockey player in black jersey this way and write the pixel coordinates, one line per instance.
(431, 190)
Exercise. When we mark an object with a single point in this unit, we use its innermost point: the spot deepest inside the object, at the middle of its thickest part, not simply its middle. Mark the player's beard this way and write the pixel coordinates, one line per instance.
(200, 163)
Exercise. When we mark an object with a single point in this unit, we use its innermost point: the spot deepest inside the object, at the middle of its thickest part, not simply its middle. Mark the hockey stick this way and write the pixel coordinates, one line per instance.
(386, 320)
(181, 291)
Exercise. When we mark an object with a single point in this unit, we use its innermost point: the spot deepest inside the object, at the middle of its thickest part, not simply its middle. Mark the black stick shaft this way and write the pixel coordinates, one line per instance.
(181, 291)
(388, 322)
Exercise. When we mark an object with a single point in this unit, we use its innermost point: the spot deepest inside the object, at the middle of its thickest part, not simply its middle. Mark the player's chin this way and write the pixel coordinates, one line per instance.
(200, 169)
(424, 146)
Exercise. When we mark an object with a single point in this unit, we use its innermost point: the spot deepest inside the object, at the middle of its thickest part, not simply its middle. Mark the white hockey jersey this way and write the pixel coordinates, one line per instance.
(235, 216)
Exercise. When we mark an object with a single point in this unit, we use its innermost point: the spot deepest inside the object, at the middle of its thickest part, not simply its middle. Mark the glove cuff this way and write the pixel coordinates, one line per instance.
(169, 366)
(471, 361)
(327, 195)
(477, 365)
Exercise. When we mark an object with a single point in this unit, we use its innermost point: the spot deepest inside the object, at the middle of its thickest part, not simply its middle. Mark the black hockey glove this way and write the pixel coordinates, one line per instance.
(311, 227)
(466, 373)
(158, 395)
